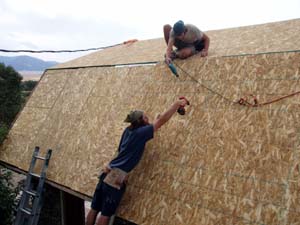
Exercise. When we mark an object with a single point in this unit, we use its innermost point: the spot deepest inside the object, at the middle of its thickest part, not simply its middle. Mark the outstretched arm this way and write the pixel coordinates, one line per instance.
(169, 50)
(165, 116)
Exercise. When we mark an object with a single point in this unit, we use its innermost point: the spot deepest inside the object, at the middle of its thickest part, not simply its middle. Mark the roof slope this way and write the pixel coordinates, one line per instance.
(221, 163)
(270, 37)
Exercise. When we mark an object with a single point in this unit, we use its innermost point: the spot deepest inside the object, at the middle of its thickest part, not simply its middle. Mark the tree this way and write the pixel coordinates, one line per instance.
(10, 104)
(10, 94)
(3, 131)
(28, 85)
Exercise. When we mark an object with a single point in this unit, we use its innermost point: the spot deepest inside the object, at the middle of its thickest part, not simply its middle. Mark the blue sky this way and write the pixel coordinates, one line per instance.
(66, 24)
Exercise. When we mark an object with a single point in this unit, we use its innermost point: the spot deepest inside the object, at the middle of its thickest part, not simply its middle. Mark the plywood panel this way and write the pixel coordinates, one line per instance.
(221, 163)
(270, 37)
(49, 89)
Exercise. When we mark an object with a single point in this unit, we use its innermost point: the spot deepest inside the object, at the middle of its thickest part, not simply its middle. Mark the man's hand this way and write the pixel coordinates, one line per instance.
(168, 60)
(204, 53)
(165, 116)
(183, 102)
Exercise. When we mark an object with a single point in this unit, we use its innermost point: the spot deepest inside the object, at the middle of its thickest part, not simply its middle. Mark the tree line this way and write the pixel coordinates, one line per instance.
(13, 95)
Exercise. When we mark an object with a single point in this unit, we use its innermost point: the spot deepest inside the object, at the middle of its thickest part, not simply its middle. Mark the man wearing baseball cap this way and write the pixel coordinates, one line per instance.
(112, 181)
(188, 40)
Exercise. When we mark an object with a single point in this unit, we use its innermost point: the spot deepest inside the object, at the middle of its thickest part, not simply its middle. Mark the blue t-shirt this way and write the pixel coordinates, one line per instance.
(131, 147)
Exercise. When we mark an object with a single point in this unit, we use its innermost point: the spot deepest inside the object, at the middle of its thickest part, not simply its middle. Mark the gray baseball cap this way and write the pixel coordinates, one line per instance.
(134, 116)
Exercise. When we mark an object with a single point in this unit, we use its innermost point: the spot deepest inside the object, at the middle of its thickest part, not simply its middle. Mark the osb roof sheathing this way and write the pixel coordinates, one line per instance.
(221, 163)
(270, 37)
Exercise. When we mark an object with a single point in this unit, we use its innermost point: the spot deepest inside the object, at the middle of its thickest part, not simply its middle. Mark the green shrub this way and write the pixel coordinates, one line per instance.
(7, 197)
(28, 85)
(3, 132)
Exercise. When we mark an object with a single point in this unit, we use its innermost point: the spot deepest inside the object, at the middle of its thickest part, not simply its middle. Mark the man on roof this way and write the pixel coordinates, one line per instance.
(188, 40)
(112, 181)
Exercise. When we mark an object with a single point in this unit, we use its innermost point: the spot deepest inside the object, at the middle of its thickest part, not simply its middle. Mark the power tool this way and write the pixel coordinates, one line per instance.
(173, 69)
(181, 109)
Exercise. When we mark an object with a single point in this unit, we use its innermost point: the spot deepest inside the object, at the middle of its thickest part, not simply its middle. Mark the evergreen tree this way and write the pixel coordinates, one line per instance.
(28, 85)
(10, 94)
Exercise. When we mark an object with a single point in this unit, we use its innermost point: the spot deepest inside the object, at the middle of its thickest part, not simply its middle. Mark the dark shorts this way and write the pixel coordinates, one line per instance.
(197, 45)
(106, 199)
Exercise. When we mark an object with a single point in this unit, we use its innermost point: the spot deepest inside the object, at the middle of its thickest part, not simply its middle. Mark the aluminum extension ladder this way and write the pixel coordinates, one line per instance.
(31, 200)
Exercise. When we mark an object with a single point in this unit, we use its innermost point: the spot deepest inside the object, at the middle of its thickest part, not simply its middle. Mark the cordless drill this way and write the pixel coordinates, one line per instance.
(181, 109)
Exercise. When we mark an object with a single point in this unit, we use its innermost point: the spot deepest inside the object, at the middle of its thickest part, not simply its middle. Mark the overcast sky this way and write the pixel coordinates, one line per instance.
(71, 24)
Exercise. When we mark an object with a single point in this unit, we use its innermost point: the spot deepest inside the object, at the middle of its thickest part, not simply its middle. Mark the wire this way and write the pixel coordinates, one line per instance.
(131, 41)
(60, 51)
(241, 101)
(209, 89)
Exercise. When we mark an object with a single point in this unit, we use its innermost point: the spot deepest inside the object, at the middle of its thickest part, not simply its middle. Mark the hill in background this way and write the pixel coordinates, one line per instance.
(26, 63)
(30, 68)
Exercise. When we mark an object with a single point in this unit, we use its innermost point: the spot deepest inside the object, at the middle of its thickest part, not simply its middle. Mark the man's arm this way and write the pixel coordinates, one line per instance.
(169, 50)
(165, 116)
(206, 40)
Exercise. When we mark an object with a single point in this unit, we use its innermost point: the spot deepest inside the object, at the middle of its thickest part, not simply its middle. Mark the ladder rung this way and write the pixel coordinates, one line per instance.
(40, 157)
(27, 211)
(33, 193)
(31, 200)
(35, 175)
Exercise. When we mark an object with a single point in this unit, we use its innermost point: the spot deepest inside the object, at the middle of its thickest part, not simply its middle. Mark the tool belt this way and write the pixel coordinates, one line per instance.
(115, 177)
